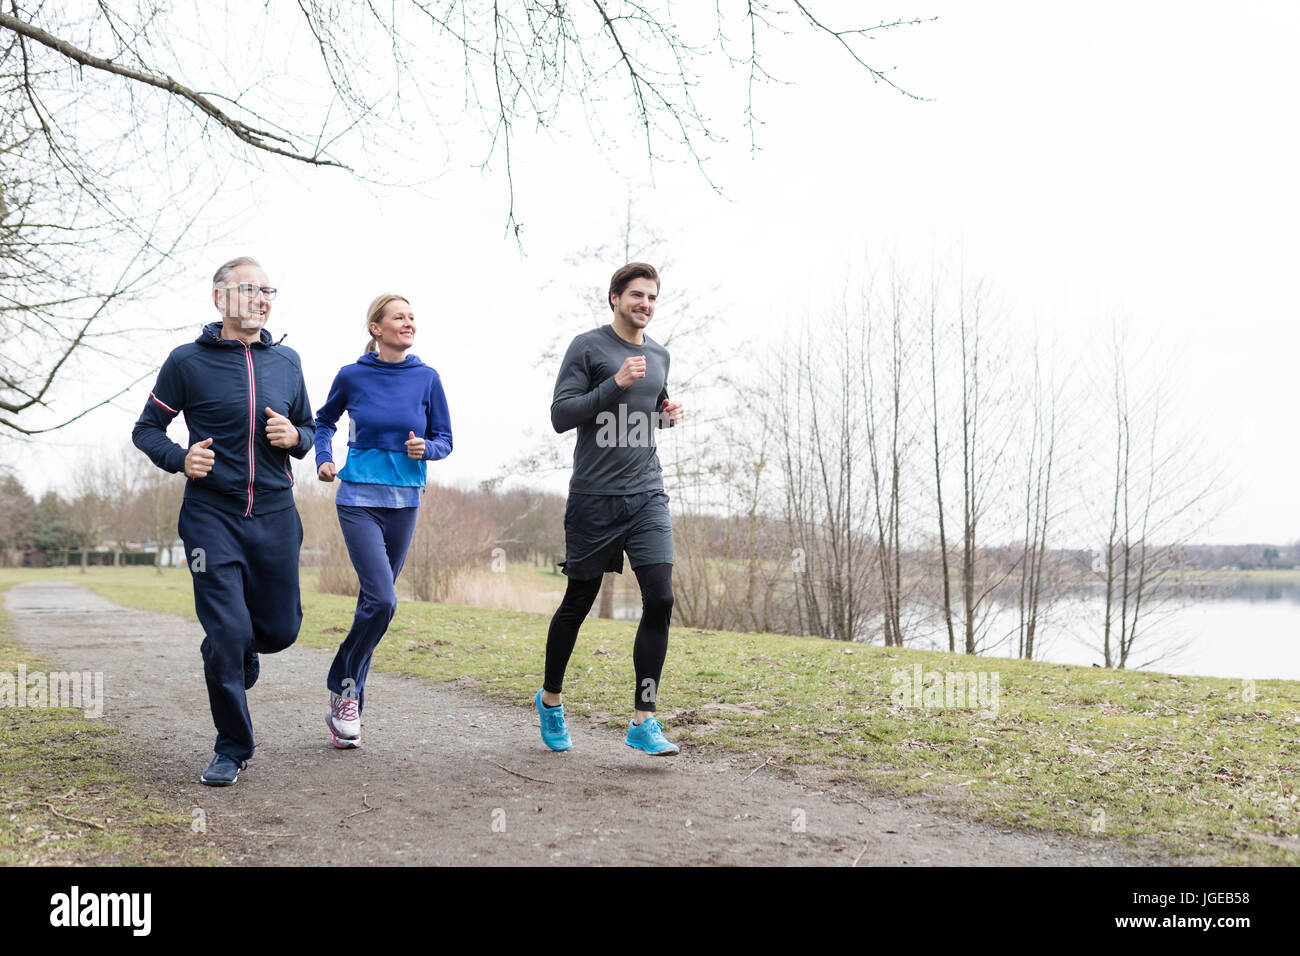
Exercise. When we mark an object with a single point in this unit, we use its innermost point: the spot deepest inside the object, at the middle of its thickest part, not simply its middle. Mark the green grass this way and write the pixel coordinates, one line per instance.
(1192, 767)
(66, 799)
(528, 576)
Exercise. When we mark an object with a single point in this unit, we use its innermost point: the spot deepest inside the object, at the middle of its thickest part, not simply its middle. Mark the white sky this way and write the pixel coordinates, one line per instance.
(1092, 162)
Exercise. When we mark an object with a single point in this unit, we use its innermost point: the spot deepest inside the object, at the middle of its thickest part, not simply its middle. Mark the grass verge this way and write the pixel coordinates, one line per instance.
(1200, 768)
(66, 800)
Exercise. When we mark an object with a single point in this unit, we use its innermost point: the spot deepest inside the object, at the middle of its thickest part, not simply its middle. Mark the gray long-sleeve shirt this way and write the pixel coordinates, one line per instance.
(615, 453)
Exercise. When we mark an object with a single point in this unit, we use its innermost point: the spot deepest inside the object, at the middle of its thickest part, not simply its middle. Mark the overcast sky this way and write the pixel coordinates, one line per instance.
(1093, 163)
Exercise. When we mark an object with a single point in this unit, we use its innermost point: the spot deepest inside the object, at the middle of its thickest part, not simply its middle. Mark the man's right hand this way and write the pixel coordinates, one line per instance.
(633, 368)
(326, 471)
(199, 459)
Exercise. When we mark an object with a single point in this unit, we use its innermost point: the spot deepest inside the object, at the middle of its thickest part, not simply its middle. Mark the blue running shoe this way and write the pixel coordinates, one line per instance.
(649, 736)
(555, 734)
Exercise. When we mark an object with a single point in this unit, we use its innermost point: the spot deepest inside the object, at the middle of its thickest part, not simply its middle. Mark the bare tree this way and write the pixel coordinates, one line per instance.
(939, 465)
(820, 412)
(734, 568)
(519, 61)
(91, 511)
(986, 432)
(323, 544)
(1040, 575)
(73, 256)
(972, 462)
(971, 412)
(116, 128)
(119, 476)
(886, 401)
(453, 533)
(1158, 499)
(157, 505)
(532, 522)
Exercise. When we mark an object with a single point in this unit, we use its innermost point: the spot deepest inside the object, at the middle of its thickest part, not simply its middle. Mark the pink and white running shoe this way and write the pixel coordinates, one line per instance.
(344, 721)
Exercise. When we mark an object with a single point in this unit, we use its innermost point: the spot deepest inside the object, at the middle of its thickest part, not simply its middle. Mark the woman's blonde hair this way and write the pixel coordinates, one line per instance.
(376, 312)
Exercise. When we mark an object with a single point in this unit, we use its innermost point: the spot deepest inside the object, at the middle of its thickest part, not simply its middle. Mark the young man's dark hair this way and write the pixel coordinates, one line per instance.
(633, 270)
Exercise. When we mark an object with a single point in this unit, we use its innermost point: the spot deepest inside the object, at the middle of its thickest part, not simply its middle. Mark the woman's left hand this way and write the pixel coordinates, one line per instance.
(414, 447)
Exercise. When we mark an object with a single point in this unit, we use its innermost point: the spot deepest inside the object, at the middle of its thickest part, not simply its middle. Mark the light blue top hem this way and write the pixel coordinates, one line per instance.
(378, 466)
(377, 496)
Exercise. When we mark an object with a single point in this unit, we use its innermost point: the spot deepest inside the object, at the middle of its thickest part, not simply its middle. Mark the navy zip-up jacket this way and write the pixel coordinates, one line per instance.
(224, 387)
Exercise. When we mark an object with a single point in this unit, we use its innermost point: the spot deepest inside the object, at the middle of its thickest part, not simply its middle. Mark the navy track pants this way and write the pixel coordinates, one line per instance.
(377, 539)
(245, 573)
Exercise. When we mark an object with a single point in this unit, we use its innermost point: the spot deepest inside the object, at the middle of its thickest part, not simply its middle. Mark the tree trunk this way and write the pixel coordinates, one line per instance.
(607, 595)
(938, 487)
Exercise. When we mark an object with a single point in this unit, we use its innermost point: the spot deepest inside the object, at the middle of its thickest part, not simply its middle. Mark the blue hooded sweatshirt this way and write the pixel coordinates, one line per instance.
(385, 402)
(224, 387)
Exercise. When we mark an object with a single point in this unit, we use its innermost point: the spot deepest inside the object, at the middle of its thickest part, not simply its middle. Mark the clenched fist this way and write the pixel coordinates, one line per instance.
(199, 459)
(632, 369)
(281, 432)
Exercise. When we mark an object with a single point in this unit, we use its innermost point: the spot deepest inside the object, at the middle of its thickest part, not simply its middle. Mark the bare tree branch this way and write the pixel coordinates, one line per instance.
(254, 136)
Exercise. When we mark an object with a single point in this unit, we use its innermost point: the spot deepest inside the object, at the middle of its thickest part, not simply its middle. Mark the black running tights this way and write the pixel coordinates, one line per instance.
(651, 647)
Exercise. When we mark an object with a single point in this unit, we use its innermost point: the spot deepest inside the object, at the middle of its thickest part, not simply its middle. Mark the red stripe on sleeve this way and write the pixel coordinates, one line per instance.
(163, 404)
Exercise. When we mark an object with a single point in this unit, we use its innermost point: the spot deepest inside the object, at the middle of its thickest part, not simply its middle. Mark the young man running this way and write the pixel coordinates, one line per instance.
(612, 387)
(247, 412)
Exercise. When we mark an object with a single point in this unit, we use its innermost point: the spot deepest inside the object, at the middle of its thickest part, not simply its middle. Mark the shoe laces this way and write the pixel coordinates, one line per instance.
(555, 718)
(345, 708)
(652, 726)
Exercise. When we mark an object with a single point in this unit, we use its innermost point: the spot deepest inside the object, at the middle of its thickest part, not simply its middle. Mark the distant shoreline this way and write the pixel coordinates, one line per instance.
(1260, 575)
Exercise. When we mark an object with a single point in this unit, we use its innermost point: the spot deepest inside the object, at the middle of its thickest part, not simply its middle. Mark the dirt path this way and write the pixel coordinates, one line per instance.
(436, 767)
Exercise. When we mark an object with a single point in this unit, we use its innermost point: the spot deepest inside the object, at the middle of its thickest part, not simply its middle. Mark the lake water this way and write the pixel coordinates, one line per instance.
(1245, 629)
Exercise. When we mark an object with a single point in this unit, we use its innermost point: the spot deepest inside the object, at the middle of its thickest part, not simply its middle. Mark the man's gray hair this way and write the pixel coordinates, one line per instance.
(222, 275)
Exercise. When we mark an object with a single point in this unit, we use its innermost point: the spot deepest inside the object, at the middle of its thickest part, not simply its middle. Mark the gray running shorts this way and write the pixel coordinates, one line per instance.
(599, 528)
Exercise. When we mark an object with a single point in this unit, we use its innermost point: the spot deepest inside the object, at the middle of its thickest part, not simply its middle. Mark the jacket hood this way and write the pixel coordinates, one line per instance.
(211, 335)
(373, 359)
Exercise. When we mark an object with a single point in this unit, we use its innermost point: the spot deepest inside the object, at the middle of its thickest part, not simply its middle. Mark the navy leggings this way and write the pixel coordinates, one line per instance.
(650, 647)
(377, 540)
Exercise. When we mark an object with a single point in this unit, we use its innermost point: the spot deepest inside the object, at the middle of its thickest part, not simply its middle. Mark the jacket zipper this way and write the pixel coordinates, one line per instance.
(252, 424)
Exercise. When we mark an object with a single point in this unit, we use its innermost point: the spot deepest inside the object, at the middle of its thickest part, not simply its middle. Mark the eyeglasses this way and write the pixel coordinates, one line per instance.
(249, 291)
